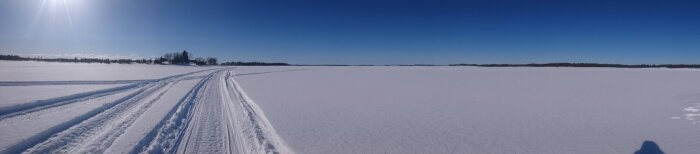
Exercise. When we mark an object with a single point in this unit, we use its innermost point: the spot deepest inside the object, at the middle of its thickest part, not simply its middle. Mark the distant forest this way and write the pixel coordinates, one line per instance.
(76, 60)
(174, 58)
(184, 58)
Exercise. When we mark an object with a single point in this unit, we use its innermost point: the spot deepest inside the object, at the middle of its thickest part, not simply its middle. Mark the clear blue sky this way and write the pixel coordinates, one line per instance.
(359, 31)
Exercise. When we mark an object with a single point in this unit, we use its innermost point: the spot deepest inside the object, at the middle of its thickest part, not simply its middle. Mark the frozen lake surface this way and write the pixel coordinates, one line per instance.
(99, 108)
(480, 110)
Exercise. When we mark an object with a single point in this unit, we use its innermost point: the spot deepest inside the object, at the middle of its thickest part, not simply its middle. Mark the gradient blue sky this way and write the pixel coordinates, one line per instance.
(360, 31)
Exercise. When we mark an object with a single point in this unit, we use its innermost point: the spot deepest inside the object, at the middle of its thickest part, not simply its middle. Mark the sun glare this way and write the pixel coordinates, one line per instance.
(58, 19)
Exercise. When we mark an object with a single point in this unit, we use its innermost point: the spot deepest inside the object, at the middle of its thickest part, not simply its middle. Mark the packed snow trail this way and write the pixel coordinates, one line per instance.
(256, 133)
(33, 106)
(44, 83)
(216, 117)
(100, 128)
(96, 129)
(213, 116)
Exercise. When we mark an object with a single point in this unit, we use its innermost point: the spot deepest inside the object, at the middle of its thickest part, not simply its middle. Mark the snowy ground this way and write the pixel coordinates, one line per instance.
(480, 110)
(98, 108)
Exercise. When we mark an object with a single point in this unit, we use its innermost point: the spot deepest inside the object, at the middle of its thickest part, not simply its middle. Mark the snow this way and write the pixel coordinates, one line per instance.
(135, 108)
(43, 123)
(128, 109)
(52, 71)
(13, 95)
(132, 136)
(479, 110)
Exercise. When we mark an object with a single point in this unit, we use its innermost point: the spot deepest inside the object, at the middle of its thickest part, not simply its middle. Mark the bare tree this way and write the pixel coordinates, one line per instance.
(212, 61)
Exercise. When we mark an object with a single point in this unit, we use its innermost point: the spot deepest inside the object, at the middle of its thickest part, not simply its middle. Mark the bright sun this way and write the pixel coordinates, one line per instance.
(58, 17)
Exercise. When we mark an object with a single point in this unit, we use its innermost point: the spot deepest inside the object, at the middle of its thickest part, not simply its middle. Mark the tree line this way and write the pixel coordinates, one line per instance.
(175, 58)
(77, 60)
(184, 58)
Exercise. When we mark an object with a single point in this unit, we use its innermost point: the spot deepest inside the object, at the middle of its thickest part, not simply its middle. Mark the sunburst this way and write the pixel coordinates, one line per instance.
(51, 14)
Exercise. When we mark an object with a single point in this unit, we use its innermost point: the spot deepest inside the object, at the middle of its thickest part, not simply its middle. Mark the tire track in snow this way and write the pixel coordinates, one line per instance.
(58, 110)
(87, 82)
(225, 120)
(204, 133)
(44, 135)
(255, 133)
(215, 117)
(45, 83)
(25, 108)
(68, 135)
(105, 139)
(106, 122)
(166, 136)
(234, 142)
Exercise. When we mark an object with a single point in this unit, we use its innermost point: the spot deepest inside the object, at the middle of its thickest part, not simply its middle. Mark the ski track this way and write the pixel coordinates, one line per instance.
(91, 129)
(50, 121)
(25, 108)
(215, 116)
(33, 106)
(44, 83)
(167, 135)
(254, 130)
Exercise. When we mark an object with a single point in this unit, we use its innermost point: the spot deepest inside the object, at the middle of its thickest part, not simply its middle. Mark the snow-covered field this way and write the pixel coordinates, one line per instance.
(480, 110)
(98, 108)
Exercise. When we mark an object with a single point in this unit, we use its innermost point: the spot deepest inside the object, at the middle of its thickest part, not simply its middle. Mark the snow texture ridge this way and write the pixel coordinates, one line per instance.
(213, 116)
